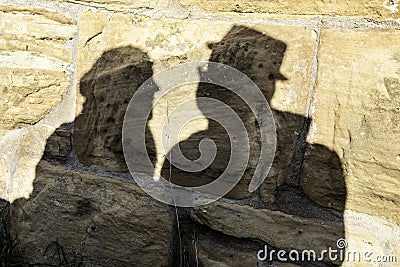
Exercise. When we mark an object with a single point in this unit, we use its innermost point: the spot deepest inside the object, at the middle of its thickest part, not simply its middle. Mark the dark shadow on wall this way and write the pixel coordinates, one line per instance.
(108, 87)
(305, 180)
(64, 218)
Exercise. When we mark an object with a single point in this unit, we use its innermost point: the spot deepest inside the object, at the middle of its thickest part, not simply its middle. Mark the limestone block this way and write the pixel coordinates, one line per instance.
(98, 220)
(29, 92)
(377, 9)
(370, 234)
(34, 63)
(357, 103)
(275, 228)
(115, 4)
(36, 30)
(35, 74)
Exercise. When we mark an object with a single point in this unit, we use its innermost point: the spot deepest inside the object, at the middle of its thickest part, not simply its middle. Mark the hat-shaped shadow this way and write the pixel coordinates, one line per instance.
(305, 180)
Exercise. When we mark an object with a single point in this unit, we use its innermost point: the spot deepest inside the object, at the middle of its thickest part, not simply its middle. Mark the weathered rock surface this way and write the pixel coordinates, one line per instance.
(357, 103)
(21, 151)
(34, 59)
(210, 259)
(115, 4)
(108, 88)
(205, 247)
(322, 178)
(349, 178)
(366, 233)
(29, 92)
(379, 10)
(99, 220)
(36, 30)
(273, 227)
(35, 74)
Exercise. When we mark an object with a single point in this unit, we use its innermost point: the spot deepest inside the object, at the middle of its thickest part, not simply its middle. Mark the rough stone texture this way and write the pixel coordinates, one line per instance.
(357, 105)
(29, 92)
(100, 220)
(34, 58)
(202, 246)
(35, 74)
(273, 227)
(115, 4)
(376, 9)
(210, 253)
(373, 234)
(21, 151)
(210, 259)
(36, 30)
(322, 178)
(108, 88)
(59, 144)
(277, 70)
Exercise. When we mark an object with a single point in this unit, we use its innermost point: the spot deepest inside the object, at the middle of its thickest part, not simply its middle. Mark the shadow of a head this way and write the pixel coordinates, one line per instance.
(108, 87)
(257, 55)
(254, 53)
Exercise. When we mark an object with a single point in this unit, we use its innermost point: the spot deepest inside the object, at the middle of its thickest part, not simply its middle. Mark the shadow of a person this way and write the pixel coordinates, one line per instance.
(108, 87)
(290, 184)
(61, 200)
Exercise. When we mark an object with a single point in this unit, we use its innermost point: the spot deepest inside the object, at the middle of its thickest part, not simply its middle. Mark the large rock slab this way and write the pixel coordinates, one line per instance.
(200, 245)
(357, 103)
(99, 220)
(276, 228)
(277, 58)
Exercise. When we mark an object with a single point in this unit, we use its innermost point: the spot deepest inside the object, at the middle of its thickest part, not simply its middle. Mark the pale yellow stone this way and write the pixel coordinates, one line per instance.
(34, 62)
(35, 74)
(369, 234)
(115, 4)
(377, 9)
(37, 30)
(21, 151)
(29, 93)
(357, 114)
(4, 172)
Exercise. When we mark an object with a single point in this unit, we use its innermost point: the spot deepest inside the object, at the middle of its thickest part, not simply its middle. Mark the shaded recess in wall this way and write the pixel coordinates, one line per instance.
(312, 190)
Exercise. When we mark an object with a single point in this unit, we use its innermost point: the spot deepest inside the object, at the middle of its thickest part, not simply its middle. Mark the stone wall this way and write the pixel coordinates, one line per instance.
(329, 69)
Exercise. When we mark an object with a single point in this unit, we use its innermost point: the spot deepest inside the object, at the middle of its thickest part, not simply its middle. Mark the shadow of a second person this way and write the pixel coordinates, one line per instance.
(305, 180)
